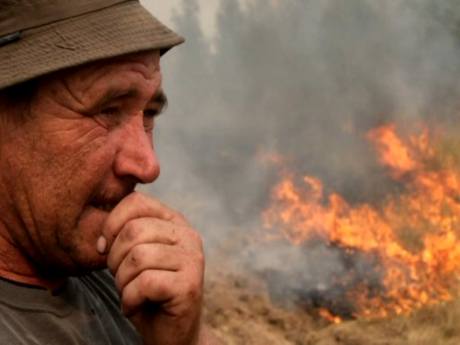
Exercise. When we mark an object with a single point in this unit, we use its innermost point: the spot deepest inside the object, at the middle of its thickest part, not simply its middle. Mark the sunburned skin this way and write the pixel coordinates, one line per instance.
(86, 145)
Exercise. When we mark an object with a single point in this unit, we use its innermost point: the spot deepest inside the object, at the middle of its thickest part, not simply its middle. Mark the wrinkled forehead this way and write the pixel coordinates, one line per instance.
(146, 64)
(138, 68)
(136, 74)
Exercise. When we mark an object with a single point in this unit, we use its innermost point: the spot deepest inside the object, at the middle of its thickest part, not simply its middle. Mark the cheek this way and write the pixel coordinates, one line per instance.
(62, 168)
(78, 152)
(67, 177)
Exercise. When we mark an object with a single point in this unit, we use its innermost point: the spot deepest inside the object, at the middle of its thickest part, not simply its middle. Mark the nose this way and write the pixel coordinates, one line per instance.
(136, 156)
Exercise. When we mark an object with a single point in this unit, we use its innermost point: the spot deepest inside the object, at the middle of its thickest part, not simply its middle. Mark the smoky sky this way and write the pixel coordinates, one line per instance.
(305, 79)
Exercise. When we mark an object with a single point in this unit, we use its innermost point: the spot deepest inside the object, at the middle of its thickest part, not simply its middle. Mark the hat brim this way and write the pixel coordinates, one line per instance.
(117, 30)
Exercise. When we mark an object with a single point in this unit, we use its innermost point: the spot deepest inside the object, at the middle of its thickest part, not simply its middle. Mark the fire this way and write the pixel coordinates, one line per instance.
(414, 234)
(393, 152)
(326, 314)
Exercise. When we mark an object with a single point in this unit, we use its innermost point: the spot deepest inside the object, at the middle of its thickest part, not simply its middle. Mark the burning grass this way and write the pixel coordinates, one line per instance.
(240, 311)
(437, 325)
(413, 235)
(381, 273)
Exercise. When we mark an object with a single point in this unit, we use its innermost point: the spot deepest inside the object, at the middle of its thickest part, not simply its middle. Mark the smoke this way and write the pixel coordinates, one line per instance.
(305, 79)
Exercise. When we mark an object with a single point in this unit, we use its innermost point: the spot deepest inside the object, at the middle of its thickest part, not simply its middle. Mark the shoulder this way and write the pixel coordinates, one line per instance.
(27, 314)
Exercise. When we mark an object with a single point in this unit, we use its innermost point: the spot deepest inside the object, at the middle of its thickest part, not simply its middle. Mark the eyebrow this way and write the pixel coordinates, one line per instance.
(159, 98)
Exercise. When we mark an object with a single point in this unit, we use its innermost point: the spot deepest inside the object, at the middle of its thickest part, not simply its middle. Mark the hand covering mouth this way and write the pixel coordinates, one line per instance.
(106, 204)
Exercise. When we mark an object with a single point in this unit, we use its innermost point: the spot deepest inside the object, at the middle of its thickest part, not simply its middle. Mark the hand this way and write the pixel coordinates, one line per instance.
(158, 263)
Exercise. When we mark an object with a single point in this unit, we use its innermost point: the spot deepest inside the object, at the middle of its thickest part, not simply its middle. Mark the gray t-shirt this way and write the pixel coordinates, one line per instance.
(85, 311)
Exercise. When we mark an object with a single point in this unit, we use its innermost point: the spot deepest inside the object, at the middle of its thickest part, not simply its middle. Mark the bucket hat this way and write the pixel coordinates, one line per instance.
(38, 37)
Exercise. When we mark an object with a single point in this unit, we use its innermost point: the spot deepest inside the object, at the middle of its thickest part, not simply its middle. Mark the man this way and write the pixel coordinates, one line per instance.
(80, 88)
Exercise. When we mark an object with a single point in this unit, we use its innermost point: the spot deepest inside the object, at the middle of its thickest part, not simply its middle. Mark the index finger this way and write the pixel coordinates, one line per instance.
(137, 205)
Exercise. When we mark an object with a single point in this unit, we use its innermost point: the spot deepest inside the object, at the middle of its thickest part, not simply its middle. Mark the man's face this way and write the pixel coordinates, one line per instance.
(86, 144)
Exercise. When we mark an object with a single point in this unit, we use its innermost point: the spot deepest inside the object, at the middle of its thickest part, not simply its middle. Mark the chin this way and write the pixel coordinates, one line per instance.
(74, 261)
(84, 264)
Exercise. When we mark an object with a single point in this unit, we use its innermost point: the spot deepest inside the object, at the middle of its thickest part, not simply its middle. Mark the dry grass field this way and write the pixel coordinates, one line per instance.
(240, 312)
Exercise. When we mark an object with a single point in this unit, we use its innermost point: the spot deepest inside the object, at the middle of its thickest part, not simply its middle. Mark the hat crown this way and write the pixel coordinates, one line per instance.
(19, 15)
(38, 37)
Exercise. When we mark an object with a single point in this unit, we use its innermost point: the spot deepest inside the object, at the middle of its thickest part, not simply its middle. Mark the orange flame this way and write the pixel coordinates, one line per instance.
(414, 234)
(326, 314)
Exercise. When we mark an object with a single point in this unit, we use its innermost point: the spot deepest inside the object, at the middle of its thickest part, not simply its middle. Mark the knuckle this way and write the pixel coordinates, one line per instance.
(137, 256)
(200, 259)
(131, 231)
(174, 236)
(180, 216)
(196, 237)
(194, 291)
(162, 289)
(146, 281)
(149, 282)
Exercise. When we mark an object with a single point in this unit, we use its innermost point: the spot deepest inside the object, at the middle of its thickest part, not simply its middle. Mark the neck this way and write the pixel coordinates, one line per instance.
(16, 267)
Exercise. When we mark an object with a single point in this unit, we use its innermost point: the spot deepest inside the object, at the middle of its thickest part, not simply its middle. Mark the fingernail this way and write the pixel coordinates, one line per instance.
(101, 245)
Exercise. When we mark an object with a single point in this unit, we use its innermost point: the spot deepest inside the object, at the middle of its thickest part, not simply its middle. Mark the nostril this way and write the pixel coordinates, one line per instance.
(148, 171)
(154, 173)
(136, 158)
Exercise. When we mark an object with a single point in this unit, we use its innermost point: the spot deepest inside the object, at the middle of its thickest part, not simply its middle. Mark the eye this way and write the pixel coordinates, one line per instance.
(110, 111)
(151, 113)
